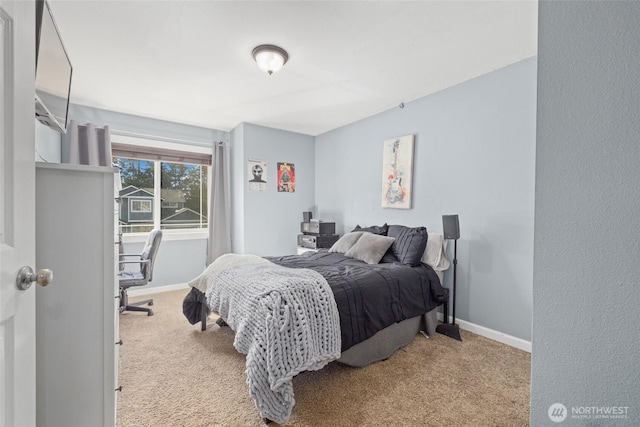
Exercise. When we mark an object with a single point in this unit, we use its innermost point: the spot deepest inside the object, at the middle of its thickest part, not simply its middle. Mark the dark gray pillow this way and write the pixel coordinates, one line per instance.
(370, 248)
(346, 242)
(388, 257)
(375, 229)
(409, 244)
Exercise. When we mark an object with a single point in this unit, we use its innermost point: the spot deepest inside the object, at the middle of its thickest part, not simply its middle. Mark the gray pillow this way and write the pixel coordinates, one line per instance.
(346, 242)
(370, 248)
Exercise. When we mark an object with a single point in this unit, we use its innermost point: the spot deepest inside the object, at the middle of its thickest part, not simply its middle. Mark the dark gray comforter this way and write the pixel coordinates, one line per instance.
(371, 297)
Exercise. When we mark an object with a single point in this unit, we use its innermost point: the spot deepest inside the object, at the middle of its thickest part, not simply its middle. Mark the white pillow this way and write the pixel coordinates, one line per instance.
(435, 254)
(346, 242)
(370, 248)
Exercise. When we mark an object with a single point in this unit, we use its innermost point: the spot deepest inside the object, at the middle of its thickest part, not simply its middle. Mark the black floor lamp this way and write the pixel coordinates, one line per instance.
(451, 231)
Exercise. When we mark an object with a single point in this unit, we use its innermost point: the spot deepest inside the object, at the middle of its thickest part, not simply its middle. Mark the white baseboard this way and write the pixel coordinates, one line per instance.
(156, 289)
(492, 334)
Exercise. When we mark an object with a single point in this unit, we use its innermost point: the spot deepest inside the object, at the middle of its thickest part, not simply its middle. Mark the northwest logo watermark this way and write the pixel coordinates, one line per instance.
(558, 412)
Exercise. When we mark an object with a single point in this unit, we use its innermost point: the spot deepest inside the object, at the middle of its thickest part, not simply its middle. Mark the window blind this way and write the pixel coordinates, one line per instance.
(163, 154)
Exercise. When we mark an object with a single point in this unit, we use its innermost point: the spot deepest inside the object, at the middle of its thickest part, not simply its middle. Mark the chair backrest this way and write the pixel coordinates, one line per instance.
(149, 252)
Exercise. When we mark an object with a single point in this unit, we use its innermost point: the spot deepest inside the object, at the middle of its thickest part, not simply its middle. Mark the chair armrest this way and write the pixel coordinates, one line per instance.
(129, 255)
(140, 261)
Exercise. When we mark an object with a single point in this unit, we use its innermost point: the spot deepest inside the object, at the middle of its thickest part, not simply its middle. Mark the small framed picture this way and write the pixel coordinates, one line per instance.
(286, 177)
(257, 175)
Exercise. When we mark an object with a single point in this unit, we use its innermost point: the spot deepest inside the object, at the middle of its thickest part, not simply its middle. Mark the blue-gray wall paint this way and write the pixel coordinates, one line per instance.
(178, 260)
(48, 140)
(142, 127)
(271, 219)
(474, 155)
(586, 344)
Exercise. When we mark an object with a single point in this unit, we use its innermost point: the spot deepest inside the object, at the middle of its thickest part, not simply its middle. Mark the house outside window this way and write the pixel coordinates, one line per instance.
(170, 195)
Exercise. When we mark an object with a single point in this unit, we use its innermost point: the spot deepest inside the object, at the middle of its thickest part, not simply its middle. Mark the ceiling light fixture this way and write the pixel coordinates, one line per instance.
(270, 58)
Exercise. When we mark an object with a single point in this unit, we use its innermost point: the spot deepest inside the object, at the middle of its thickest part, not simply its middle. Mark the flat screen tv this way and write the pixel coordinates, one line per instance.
(53, 71)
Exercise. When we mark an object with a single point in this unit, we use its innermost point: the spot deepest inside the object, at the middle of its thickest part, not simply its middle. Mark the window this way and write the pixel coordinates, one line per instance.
(140, 205)
(183, 190)
(137, 195)
(161, 193)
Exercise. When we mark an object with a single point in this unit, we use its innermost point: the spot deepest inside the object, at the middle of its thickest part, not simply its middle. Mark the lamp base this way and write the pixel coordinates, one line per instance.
(449, 329)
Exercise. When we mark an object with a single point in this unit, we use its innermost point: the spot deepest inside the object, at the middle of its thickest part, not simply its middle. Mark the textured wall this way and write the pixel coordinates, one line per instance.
(586, 279)
(473, 156)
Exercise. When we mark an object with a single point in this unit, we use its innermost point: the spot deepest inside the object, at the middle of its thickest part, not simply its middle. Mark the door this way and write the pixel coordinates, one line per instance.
(17, 216)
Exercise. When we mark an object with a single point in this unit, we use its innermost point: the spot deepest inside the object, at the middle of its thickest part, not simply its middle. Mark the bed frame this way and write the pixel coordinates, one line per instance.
(379, 347)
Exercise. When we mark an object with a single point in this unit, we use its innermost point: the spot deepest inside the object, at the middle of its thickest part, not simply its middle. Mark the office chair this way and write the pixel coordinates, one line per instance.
(141, 277)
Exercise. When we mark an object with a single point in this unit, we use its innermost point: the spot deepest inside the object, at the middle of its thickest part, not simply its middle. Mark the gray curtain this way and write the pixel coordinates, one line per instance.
(86, 145)
(219, 204)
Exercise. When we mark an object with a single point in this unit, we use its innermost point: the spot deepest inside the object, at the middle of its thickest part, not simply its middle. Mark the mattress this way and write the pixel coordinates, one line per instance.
(381, 307)
(371, 297)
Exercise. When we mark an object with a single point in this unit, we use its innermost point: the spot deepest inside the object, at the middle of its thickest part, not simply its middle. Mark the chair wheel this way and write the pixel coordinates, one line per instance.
(150, 313)
(150, 303)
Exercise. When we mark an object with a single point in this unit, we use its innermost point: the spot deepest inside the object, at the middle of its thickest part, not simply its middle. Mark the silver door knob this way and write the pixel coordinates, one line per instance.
(26, 276)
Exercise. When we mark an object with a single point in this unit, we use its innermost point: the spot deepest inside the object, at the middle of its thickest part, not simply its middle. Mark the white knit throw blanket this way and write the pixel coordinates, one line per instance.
(286, 321)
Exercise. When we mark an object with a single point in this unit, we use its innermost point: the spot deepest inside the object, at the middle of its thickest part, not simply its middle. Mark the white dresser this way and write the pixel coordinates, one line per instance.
(76, 321)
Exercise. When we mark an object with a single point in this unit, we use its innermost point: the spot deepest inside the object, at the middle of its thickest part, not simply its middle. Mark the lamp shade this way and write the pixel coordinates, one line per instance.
(450, 227)
(269, 58)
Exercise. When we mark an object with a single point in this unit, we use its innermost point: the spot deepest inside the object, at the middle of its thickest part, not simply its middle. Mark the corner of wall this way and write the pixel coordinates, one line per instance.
(47, 144)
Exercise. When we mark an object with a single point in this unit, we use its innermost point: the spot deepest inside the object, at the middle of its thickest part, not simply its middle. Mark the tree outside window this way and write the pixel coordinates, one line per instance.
(184, 196)
(182, 193)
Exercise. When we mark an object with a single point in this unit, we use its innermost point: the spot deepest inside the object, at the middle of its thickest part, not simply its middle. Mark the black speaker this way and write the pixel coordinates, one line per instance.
(306, 216)
(451, 231)
(450, 227)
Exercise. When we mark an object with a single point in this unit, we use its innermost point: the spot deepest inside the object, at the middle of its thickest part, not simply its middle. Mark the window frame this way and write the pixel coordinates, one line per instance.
(152, 144)
(140, 200)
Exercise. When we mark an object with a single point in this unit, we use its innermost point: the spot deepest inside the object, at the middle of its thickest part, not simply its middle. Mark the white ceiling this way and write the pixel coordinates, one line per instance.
(190, 61)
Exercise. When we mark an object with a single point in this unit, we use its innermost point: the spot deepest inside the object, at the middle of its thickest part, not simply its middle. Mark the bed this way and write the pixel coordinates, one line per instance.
(365, 297)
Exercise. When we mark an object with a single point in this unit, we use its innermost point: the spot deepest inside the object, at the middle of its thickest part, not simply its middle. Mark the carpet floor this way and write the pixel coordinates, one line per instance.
(174, 375)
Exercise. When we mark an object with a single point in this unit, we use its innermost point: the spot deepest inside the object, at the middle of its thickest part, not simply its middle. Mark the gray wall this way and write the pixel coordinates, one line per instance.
(473, 156)
(146, 127)
(271, 219)
(586, 277)
(178, 260)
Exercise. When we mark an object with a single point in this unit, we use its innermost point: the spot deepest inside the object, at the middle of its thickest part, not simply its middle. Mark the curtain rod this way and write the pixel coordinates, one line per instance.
(161, 138)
